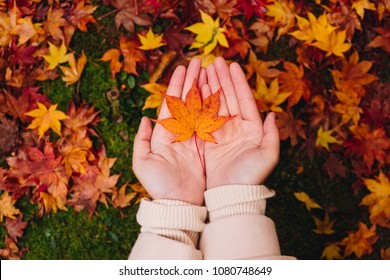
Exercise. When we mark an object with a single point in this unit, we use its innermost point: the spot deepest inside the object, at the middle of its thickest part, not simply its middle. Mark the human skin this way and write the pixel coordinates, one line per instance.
(246, 152)
(247, 149)
(171, 170)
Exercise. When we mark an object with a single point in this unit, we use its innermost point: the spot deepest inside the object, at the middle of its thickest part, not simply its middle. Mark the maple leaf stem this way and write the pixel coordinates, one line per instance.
(108, 14)
(200, 158)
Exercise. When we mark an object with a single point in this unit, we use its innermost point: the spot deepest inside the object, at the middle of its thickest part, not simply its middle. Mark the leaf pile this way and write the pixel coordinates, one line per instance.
(321, 66)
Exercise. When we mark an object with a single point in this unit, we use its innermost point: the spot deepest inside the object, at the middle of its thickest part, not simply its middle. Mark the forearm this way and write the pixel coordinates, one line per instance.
(237, 226)
(170, 230)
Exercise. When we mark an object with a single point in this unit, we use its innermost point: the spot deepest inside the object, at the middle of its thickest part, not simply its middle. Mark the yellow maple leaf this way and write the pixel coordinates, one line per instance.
(282, 13)
(73, 73)
(331, 252)
(348, 106)
(325, 137)
(157, 95)
(76, 151)
(260, 67)
(269, 98)
(46, 118)
(378, 201)
(141, 192)
(321, 34)
(209, 34)
(276, 11)
(309, 203)
(56, 56)
(325, 226)
(12, 24)
(150, 41)
(207, 59)
(360, 5)
(332, 43)
(120, 198)
(306, 26)
(360, 242)
(49, 203)
(7, 208)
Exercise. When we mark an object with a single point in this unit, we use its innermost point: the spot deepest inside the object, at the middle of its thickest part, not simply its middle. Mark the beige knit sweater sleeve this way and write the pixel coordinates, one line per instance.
(237, 227)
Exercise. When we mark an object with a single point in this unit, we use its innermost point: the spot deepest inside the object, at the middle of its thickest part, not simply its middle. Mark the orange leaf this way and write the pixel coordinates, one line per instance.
(131, 55)
(193, 116)
(292, 81)
(73, 73)
(140, 191)
(120, 198)
(360, 242)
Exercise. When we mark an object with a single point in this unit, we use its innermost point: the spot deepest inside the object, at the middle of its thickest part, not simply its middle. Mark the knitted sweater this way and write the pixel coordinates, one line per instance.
(236, 227)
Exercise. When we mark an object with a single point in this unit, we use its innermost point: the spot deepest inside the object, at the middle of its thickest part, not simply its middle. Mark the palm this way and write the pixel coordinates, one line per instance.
(181, 160)
(235, 156)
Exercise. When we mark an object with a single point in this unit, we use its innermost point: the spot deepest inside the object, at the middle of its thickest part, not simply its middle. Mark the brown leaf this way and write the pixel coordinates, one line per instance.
(9, 135)
(333, 166)
(129, 14)
(55, 21)
(290, 127)
(15, 227)
(11, 250)
(94, 185)
(382, 40)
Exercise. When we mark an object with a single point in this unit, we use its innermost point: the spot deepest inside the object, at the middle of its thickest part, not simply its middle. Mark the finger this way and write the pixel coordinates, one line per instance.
(193, 72)
(213, 81)
(245, 96)
(271, 142)
(174, 88)
(142, 140)
(226, 82)
(202, 77)
(205, 91)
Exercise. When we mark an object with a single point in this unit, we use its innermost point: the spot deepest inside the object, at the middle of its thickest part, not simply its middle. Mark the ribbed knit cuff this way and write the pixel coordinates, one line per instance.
(174, 219)
(232, 200)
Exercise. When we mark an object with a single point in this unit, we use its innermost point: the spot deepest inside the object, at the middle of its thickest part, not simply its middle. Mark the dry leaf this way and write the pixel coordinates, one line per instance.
(193, 116)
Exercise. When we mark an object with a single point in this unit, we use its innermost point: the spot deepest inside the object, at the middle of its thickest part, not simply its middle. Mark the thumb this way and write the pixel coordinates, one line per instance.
(142, 139)
(271, 142)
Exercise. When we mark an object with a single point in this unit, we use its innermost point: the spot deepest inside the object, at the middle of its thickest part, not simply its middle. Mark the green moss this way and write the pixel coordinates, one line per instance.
(58, 93)
(67, 235)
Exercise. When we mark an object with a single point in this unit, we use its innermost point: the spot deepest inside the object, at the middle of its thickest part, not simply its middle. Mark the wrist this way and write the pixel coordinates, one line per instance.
(173, 219)
(230, 200)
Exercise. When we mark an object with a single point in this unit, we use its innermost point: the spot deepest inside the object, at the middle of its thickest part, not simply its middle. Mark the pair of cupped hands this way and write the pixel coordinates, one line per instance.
(246, 152)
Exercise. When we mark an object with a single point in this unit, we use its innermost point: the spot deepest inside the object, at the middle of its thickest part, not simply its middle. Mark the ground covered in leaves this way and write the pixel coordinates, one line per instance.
(77, 76)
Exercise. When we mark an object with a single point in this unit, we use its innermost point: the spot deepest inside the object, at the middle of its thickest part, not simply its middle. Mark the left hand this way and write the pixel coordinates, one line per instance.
(171, 170)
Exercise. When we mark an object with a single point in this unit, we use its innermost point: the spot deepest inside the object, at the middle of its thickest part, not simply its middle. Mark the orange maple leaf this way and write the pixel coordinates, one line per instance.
(140, 191)
(73, 73)
(121, 199)
(353, 75)
(378, 200)
(193, 115)
(126, 58)
(360, 242)
(292, 81)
